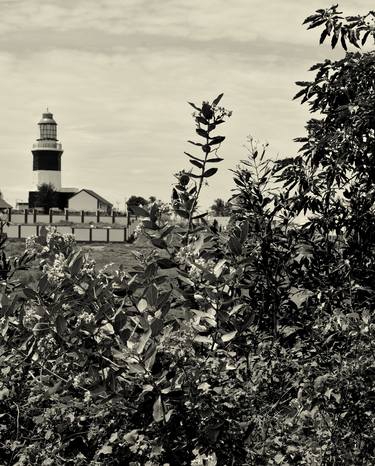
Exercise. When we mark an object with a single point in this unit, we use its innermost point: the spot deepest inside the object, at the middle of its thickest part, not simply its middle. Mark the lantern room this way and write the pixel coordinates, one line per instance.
(48, 127)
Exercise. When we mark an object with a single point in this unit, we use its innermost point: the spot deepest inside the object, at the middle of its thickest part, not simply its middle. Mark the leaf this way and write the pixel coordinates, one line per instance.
(216, 140)
(166, 231)
(228, 336)
(143, 341)
(157, 410)
(343, 43)
(219, 267)
(364, 38)
(209, 172)
(105, 450)
(152, 295)
(215, 160)
(316, 24)
(235, 245)
(156, 326)
(193, 157)
(286, 330)
(196, 143)
(217, 100)
(299, 94)
(244, 231)
(311, 18)
(194, 106)
(279, 458)
(196, 163)
(299, 296)
(323, 36)
(196, 217)
(75, 264)
(142, 305)
(159, 243)
(30, 293)
(335, 38)
(60, 324)
(150, 355)
(166, 263)
(154, 212)
(202, 132)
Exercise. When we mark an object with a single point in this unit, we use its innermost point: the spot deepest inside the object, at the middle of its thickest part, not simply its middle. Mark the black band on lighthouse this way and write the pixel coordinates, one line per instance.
(47, 160)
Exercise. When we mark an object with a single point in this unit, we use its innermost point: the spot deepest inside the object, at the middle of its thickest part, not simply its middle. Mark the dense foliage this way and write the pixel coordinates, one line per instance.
(254, 346)
(47, 197)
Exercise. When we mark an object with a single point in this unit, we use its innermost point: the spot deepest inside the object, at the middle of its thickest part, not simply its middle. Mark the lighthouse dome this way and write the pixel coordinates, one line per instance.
(47, 119)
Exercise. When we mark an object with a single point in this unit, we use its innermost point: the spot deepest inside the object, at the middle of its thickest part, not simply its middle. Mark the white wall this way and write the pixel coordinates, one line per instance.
(116, 235)
(19, 218)
(99, 234)
(82, 234)
(40, 218)
(83, 201)
(64, 230)
(28, 230)
(11, 231)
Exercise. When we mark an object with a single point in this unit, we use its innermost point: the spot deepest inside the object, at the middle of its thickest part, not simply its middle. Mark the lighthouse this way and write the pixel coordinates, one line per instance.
(47, 152)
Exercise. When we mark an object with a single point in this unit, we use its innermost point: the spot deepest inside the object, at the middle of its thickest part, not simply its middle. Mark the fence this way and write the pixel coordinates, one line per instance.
(81, 234)
(33, 216)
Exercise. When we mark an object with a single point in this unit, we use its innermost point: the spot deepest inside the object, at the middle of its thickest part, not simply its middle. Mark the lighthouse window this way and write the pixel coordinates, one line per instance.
(48, 131)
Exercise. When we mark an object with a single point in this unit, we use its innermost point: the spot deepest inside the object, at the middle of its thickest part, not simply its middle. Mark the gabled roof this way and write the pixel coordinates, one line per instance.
(4, 204)
(94, 194)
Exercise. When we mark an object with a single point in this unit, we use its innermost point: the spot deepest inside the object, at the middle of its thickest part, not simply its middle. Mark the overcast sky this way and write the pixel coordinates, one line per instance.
(117, 75)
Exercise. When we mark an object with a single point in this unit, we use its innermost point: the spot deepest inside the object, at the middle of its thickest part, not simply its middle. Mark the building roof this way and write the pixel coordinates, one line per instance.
(94, 194)
(4, 204)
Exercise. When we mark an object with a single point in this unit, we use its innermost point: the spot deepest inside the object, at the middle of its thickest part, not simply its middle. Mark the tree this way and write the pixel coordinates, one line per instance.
(334, 174)
(136, 200)
(221, 208)
(47, 197)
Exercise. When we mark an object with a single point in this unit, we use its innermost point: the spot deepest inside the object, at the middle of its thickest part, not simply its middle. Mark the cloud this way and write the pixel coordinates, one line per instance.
(117, 75)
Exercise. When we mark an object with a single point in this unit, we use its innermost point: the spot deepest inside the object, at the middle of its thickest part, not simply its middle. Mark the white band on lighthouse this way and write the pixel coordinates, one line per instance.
(52, 177)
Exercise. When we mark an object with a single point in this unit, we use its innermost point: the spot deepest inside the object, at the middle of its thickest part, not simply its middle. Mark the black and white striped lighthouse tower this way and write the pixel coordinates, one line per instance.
(47, 152)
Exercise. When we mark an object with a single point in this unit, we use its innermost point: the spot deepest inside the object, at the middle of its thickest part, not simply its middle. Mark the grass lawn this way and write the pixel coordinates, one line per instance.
(103, 253)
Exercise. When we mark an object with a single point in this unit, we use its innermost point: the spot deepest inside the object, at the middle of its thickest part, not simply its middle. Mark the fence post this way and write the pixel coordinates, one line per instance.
(19, 231)
(82, 216)
(25, 215)
(125, 235)
(9, 215)
(113, 216)
(90, 234)
(97, 216)
(50, 215)
(66, 215)
(107, 235)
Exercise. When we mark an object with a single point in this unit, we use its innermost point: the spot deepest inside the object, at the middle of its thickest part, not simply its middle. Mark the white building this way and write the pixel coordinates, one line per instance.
(89, 201)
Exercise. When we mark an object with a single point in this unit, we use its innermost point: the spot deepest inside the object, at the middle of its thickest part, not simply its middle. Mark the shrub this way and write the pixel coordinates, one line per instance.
(253, 346)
